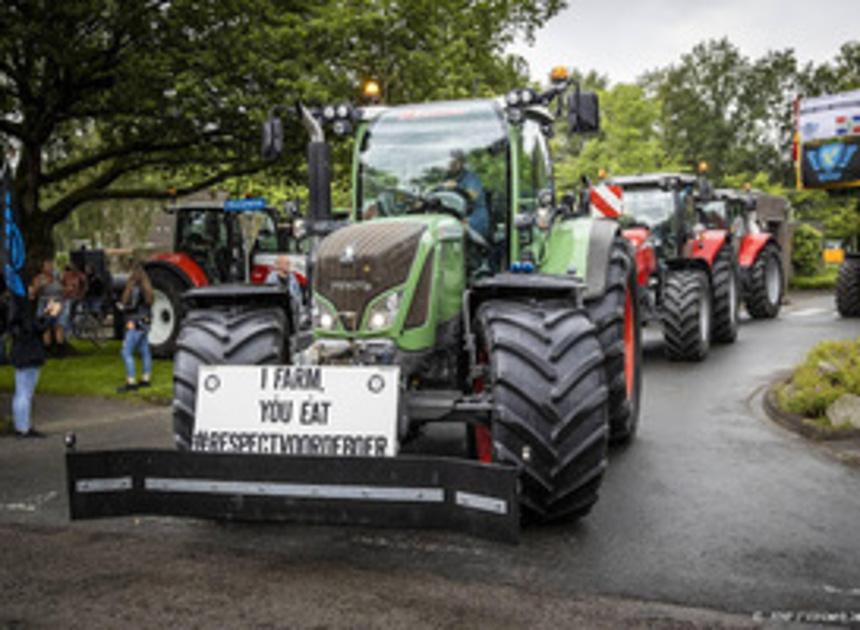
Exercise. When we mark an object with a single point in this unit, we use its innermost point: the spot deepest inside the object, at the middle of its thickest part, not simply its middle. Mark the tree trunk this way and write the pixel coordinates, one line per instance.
(36, 227)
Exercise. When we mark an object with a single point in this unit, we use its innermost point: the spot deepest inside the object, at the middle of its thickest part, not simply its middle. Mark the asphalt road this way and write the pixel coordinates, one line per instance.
(712, 507)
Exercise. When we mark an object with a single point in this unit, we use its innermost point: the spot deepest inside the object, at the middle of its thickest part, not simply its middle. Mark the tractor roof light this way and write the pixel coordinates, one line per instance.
(559, 74)
(703, 167)
(513, 98)
(329, 112)
(343, 111)
(371, 91)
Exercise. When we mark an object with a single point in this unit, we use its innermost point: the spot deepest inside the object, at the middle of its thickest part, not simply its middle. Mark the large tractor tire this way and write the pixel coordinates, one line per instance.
(687, 315)
(167, 312)
(726, 297)
(616, 316)
(763, 293)
(848, 287)
(221, 337)
(550, 416)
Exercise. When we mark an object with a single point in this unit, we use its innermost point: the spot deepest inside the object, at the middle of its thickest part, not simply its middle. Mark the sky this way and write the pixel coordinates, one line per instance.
(623, 39)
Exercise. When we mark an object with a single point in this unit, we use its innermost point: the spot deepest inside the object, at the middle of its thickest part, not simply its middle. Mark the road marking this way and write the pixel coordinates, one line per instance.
(808, 312)
(30, 504)
(835, 590)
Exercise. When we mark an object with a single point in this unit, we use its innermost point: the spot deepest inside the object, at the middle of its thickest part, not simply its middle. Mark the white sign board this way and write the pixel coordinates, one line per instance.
(831, 116)
(339, 411)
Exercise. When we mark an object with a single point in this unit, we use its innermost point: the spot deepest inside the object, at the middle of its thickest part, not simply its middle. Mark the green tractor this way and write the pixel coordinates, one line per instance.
(499, 305)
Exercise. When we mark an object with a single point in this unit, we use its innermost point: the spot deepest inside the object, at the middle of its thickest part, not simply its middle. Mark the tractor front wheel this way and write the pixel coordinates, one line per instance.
(550, 416)
(221, 337)
(725, 296)
(848, 287)
(764, 284)
(687, 311)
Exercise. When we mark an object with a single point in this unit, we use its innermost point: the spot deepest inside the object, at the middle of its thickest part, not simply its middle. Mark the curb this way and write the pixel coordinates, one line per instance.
(843, 444)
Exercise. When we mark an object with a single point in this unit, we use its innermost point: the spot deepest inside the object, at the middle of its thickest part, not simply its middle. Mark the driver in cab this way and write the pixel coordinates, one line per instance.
(461, 178)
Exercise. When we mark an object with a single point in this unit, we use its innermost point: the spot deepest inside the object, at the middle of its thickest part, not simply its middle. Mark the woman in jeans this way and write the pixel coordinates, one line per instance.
(136, 303)
(28, 356)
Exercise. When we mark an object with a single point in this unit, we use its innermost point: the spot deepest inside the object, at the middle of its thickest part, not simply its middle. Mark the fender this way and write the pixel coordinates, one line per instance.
(646, 260)
(706, 247)
(601, 237)
(751, 246)
(182, 266)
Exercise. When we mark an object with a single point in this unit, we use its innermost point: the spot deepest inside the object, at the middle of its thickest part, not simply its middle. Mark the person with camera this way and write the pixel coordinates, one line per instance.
(136, 305)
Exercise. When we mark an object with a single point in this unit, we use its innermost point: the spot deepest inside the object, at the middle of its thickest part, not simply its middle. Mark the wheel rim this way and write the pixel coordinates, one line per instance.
(163, 318)
(773, 281)
(705, 316)
(629, 345)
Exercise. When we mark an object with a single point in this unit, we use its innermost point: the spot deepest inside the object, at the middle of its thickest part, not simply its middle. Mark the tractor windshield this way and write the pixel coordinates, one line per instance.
(649, 206)
(413, 151)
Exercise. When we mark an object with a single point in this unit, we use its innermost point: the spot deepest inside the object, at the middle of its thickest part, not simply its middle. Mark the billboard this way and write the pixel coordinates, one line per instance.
(828, 141)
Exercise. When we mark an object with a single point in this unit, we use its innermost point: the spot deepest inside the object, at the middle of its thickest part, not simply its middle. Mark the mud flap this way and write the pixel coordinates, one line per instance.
(405, 491)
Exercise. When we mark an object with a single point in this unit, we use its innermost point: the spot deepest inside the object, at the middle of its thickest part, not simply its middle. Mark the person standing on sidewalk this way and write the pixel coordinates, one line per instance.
(27, 325)
(136, 305)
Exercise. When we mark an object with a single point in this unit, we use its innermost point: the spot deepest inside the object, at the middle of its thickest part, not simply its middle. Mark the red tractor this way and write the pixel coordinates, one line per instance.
(758, 253)
(687, 274)
(211, 247)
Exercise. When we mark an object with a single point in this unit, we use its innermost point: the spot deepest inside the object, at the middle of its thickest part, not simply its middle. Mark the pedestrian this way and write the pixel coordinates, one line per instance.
(282, 275)
(74, 288)
(46, 287)
(136, 305)
(26, 325)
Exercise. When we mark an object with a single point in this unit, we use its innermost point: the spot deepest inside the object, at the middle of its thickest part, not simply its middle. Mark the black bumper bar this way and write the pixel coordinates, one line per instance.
(406, 491)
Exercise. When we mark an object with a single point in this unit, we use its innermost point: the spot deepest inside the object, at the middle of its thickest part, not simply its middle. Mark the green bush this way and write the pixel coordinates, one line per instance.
(806, 251)
(832, 368)
(824, 280)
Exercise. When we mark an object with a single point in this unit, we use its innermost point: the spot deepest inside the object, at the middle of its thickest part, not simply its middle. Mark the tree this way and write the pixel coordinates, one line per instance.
(97, 94)
(628, 142)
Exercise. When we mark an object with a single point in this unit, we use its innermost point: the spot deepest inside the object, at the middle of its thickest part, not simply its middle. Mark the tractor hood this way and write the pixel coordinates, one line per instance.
(360, 262)
(376, 278)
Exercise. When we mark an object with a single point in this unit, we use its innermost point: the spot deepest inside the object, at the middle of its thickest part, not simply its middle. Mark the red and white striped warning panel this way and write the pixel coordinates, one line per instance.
(606, 198)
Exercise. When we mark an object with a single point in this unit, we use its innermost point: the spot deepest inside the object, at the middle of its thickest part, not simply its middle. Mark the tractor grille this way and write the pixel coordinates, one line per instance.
(357, 263)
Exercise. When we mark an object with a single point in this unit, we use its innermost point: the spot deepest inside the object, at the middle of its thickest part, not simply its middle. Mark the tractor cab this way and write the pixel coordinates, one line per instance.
(448, 159)
(731, 210)
(212, 238)
(664, 203)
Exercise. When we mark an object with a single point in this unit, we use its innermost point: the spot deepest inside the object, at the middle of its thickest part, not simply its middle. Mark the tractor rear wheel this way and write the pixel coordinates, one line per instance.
(221, 337)
(616, 316)
(763, 294)
(725, 296)
(687, 315)
(166, 311)
(848, 287)
(550, 416)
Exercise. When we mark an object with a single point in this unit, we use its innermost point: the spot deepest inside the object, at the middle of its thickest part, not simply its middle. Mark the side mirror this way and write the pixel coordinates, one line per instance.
(273, 138)
(583, 112)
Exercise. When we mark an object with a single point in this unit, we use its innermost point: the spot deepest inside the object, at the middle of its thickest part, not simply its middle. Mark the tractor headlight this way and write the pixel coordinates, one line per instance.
(383, 313)
(324, 317)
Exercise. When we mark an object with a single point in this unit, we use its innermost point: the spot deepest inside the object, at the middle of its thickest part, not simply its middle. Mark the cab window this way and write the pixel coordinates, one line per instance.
(534, 172)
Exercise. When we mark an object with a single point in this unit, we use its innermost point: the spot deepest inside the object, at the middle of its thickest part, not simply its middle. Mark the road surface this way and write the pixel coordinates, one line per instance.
(713, 516)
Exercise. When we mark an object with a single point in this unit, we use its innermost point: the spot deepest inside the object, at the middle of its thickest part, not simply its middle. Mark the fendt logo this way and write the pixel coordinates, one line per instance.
(830, 160)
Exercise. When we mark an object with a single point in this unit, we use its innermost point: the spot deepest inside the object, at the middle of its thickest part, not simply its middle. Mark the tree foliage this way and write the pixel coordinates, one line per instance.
(108, 100)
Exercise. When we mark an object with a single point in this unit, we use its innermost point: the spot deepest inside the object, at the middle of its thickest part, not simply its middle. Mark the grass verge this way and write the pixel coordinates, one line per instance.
(824, 280)
(831, 369)
(95, 371)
